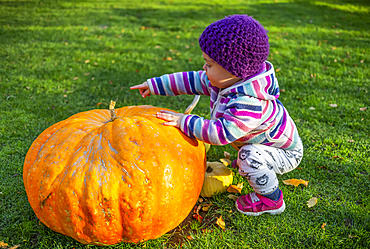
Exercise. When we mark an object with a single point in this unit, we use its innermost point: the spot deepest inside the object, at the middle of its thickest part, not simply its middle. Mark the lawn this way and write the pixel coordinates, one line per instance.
(58, 58)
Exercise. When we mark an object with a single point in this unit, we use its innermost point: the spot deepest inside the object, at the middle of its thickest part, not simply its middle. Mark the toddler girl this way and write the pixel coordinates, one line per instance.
(244, 105)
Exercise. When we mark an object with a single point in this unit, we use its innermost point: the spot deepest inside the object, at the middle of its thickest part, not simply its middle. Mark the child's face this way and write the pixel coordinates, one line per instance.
(217, 75)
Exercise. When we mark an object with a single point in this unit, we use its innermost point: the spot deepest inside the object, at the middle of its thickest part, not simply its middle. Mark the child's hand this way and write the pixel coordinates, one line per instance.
(173, 118)
(143, 89)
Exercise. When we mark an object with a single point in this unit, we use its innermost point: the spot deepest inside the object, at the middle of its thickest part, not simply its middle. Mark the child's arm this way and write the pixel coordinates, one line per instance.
(189, 83)
(240, 117)
(143, 89)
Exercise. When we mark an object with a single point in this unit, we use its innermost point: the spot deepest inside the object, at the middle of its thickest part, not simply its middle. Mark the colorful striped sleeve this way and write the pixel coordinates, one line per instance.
(189, 83)
(241, 116)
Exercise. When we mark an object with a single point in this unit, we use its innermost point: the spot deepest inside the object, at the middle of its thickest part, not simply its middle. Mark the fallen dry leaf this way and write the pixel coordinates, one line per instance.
(323, 226)
(220, 222)
(206, 206)
(225, 161)
(338, 157)
(312, 202)
(232, 197)
(295, 182)
(189, 237)
(235, 188)
(3, 245)
(198, 217)
(227, 155)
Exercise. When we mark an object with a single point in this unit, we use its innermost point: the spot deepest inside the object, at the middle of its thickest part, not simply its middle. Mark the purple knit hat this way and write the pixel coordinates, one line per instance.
(238, 43)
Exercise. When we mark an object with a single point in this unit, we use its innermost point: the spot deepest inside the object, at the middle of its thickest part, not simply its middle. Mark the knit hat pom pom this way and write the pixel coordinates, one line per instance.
(238, 43)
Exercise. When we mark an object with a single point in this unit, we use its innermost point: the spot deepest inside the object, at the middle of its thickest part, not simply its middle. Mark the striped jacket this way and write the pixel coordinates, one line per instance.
(247, 112)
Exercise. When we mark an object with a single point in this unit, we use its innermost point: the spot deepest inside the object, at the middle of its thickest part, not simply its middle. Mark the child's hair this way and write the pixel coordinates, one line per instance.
(238, 43)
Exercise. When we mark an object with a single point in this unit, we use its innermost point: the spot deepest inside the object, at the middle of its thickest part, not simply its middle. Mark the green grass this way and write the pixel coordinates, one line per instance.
(58, 58)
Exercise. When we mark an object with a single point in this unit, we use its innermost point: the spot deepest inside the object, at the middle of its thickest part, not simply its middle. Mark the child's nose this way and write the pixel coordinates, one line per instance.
(204, 67)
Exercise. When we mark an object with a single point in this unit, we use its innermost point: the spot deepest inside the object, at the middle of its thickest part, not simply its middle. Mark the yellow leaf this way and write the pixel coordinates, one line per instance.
(3, 245)
(220, 222)
(295, 182)
(235, 188)
(14, 247)
(225, 161)
(312, 202)
(206, 208)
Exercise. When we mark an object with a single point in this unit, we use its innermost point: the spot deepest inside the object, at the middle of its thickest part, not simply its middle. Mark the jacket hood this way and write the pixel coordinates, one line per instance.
(262, 86)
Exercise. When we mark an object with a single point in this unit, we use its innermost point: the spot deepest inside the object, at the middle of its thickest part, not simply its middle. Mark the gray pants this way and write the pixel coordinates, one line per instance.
(260, 163)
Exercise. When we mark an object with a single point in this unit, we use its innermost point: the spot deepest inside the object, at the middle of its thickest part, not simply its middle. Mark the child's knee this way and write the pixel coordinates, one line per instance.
(250, 159)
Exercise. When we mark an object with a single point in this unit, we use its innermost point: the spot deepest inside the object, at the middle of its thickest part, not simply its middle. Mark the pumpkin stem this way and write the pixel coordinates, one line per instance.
(209, 169)
(113, 115)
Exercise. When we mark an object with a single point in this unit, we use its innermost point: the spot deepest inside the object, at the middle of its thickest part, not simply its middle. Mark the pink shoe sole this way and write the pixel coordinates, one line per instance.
(254, 204)
(273, 212)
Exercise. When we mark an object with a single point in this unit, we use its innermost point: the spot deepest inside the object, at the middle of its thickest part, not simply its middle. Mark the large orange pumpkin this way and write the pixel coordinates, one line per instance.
(103, 180)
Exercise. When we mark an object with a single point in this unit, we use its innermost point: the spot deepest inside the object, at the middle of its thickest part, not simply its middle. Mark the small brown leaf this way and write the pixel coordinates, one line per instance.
(75, 78)
(227, 155)
(312, 202)
(220, 222)
(295, 182)
(235, 188)
(198, 217)
(337, 157)
(189, 237)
